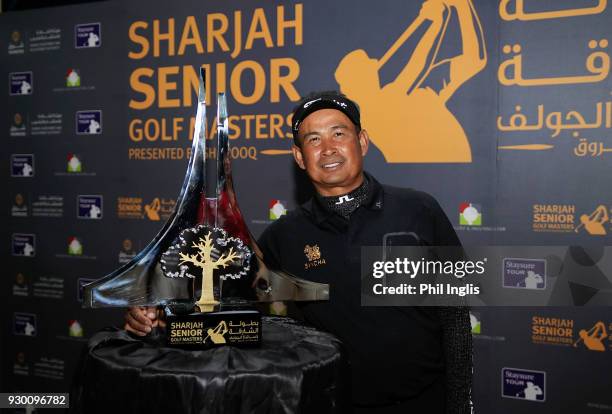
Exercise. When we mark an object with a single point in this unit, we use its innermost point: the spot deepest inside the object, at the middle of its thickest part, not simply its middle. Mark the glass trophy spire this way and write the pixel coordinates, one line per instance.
(204, 242)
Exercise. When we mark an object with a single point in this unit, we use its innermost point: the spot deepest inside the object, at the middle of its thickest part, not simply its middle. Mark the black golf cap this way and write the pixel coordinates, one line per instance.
(325, 100)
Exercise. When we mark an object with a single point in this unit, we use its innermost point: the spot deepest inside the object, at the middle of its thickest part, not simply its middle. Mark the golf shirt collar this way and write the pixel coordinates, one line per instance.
(374, 201)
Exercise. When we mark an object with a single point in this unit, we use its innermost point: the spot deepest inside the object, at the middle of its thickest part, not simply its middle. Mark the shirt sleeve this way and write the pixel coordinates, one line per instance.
(457, 347)
(456, 329)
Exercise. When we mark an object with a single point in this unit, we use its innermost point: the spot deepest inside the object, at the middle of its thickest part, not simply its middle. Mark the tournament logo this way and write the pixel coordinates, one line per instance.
(553, 218)
(277, 209)
(87, 35)
(159, 208)
(23, 245)
(81, 282)
(475, 322)
(523, 384)
(21, 83)
(552, 331)
(470, 214)
(152, 209)
(89, 207)
(20, 207)
(89, 122)
(593, 338)
(73, 78)
(418, 98)
(24, 324)
(74, 164)
(524, 273)
(75, 329)
(75, 246)
(129, 208)
(18, 125)
(595, 222)
(22, 165)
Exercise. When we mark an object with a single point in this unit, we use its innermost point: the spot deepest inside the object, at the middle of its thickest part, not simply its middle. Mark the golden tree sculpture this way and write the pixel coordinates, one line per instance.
(204, 260)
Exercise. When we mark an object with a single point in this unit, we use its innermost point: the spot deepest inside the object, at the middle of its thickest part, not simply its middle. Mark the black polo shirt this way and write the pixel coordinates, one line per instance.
(394, 352)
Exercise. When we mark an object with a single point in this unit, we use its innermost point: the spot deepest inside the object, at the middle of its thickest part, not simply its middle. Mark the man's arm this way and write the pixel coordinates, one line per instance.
(456, 330)
(457, 345)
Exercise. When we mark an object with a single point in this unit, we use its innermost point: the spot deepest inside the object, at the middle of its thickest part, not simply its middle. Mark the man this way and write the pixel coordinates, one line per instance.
(402, 359)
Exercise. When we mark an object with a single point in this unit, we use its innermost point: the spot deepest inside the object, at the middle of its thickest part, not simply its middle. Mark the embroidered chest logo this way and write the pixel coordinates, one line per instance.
(343, 199)
(313, 254)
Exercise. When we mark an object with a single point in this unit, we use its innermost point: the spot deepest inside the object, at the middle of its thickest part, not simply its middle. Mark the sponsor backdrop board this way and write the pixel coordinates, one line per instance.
(501, 110)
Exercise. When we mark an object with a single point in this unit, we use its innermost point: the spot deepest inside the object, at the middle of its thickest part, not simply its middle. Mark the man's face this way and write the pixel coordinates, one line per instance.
(331, 151)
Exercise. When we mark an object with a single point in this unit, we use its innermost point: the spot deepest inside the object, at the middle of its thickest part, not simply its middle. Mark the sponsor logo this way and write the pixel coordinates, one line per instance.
(23, 245)
(46, 124)
(89, 207)
(87, 35)
(16, 44)
(73, 78)
(21, 287)
(18, 125)
(475, 322)
(89, 122)
(523, 384)
(127, 252)
(470, 214)
(20, 206)
(44, 40)
(21, 83)
(524, 273)
(22, 165)
(24, 324)
(277, 209)
(50, 368)
(81, 282)
(48, 205)
(75, 246)
(313, 254)
(75, 329)
(21, 367)
(74, 164)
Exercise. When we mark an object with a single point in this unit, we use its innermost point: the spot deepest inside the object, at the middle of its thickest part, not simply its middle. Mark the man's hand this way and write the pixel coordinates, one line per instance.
(141, 319)
(432, 10)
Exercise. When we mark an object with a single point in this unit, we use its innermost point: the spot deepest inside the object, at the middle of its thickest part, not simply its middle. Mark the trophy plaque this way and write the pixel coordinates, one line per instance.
(204, 268)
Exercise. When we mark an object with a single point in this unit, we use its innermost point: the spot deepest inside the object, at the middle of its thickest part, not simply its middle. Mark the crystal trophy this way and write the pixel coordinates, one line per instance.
(204, 267)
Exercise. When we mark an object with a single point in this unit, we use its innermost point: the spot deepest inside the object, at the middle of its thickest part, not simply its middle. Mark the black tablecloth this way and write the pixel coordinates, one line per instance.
(296, 369)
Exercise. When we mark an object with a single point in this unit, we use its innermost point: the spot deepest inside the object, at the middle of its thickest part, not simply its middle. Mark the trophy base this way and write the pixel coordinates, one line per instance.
(229, 323)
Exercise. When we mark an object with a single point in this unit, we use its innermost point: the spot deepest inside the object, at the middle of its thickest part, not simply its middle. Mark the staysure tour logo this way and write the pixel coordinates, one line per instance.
(87, 35)
(524, 384)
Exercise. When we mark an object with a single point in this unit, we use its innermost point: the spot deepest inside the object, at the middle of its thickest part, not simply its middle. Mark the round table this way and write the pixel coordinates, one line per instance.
(296, 369)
